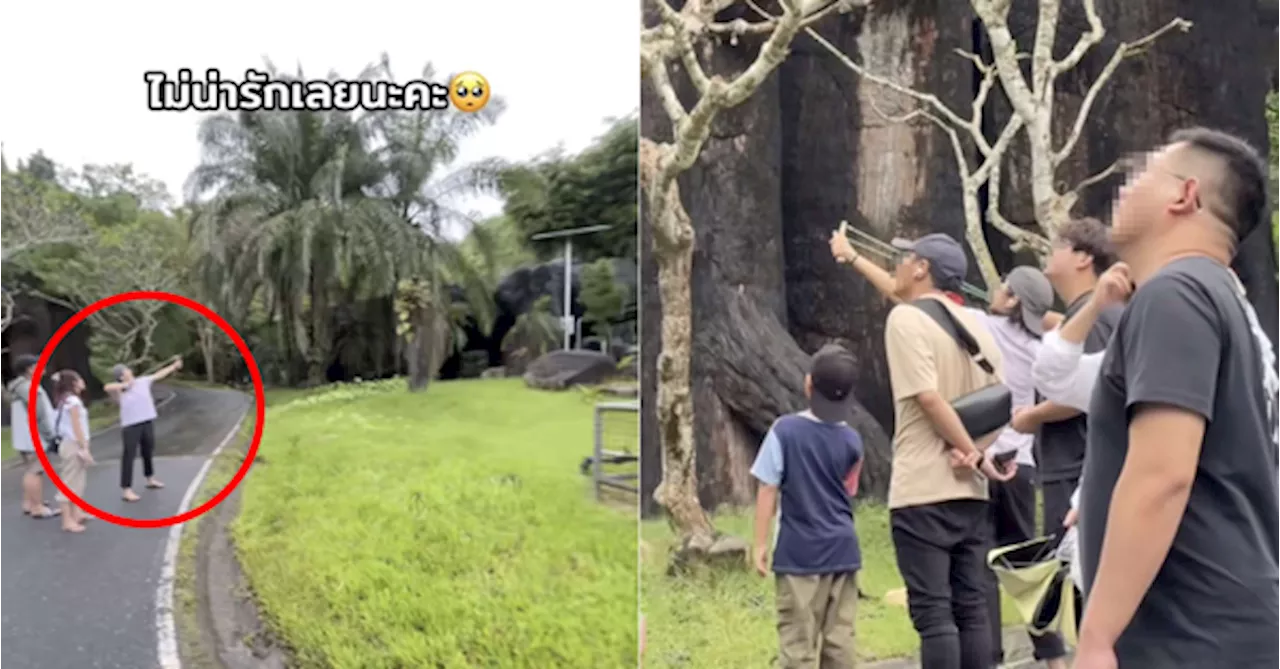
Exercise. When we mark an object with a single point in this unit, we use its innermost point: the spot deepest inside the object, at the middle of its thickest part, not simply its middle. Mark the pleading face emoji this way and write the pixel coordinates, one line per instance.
(469, 91)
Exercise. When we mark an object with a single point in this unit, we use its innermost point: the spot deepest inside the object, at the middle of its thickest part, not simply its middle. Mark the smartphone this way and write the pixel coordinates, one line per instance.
(1004, 458)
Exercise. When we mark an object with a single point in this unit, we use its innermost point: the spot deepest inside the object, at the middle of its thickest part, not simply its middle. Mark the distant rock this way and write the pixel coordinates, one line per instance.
(559, 370)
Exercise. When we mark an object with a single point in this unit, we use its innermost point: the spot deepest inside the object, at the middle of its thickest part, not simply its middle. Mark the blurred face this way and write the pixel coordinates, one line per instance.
(1003, 301)
(1155, 192)
(1064, 260)
(127, 376)
(910, 271)
(79, 386)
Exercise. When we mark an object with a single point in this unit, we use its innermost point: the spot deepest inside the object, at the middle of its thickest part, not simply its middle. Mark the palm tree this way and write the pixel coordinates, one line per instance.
(416, 145)
(311, 210)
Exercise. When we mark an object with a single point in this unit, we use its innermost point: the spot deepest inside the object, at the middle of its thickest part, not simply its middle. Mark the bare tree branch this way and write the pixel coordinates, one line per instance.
(6, 305)
(1125, 50)
(1022, 238)
(939, 108)
(1087, 41)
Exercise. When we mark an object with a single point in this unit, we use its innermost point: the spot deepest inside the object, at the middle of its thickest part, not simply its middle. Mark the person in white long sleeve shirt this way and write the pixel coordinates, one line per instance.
(1063, 372)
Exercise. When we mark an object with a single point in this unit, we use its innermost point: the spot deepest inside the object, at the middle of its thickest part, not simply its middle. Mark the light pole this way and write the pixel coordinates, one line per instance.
(567, 320)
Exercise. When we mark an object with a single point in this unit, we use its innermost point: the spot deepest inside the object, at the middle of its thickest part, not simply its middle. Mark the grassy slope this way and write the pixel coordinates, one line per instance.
(194, 654)
(727, 620)
(445, 529)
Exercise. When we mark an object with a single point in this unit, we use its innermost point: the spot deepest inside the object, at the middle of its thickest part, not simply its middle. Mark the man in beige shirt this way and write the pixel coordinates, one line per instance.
(938, 488)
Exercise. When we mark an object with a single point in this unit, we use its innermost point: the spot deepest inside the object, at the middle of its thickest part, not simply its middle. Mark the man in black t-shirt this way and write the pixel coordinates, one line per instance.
(1178, 499)
(1081, 252)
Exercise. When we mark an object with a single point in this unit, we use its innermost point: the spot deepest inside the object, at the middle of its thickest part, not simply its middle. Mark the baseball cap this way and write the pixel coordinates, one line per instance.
(944, 253)
(832, 373)
(117, 372)
(1035, 295)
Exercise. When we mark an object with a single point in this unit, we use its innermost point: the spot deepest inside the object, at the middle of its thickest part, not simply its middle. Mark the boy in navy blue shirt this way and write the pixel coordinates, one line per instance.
(813, 458)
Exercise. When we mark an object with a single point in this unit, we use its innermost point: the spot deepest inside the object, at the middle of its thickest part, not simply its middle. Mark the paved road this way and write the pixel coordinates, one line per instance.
(88, 601)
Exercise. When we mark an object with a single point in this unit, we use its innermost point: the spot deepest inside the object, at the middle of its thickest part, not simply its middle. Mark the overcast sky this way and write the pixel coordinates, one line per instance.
(73, 70)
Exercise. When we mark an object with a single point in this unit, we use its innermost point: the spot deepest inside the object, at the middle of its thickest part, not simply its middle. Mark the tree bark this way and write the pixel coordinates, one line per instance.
(758, 373)
(418, 355)
(206, 347)
(673, 244)
(732, 193)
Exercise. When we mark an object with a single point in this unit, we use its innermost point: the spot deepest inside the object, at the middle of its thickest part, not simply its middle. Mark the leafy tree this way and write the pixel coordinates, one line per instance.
(315, 211)
(507, 247)
(603, 298)
(535, 331)
(36, 217)
(39, 167)
(596, 187)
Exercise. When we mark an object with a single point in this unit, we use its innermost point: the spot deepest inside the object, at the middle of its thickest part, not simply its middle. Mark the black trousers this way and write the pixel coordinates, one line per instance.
(1057, 502)
(1013, 521)
(942, 551)
(141, 436)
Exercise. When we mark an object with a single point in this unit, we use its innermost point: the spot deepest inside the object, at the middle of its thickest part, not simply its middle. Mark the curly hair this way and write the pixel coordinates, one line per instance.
(1089, 235)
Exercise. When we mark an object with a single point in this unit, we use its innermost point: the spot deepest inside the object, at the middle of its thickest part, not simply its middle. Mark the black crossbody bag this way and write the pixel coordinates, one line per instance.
(985, 410)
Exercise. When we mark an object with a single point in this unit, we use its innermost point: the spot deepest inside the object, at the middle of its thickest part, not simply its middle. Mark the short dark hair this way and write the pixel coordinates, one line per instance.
(943, 282)
(23, 364)
(1089, 235)
(1243, 189)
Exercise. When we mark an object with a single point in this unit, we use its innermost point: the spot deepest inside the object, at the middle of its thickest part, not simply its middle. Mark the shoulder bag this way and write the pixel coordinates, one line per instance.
(987, 409)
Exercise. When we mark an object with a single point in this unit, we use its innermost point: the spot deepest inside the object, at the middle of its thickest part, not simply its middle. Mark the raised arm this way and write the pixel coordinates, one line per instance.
(167, 370)
(844, 253)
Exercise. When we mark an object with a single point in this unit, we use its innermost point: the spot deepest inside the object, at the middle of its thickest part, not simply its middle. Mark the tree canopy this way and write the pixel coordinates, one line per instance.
(596, 187)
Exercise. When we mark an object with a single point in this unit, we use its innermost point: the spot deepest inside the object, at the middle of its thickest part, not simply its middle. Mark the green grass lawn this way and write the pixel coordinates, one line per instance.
(382, 529)
(726, 620)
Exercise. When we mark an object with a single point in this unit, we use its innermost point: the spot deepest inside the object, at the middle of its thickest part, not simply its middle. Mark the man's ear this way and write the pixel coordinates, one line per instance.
(1188, 201)
(1083, 260)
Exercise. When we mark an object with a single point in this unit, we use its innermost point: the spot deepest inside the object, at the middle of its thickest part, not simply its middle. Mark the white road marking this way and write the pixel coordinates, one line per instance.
(166, 632)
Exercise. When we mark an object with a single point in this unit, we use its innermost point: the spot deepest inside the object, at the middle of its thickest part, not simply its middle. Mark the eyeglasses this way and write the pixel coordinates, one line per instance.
(1134, 165)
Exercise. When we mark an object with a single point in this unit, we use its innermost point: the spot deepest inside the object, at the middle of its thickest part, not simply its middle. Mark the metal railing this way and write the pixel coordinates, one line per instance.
(617, 447)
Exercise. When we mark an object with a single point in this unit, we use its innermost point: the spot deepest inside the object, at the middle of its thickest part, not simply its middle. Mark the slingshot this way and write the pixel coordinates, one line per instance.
(873, 247)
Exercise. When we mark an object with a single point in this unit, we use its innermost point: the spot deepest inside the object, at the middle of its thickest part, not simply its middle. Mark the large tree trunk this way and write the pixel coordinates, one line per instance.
(207, 343)
(418, 356)
(842, 161)
(732, 194)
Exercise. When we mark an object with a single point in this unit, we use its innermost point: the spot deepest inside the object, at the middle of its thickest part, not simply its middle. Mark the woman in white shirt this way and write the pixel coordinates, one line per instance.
(73, 445)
